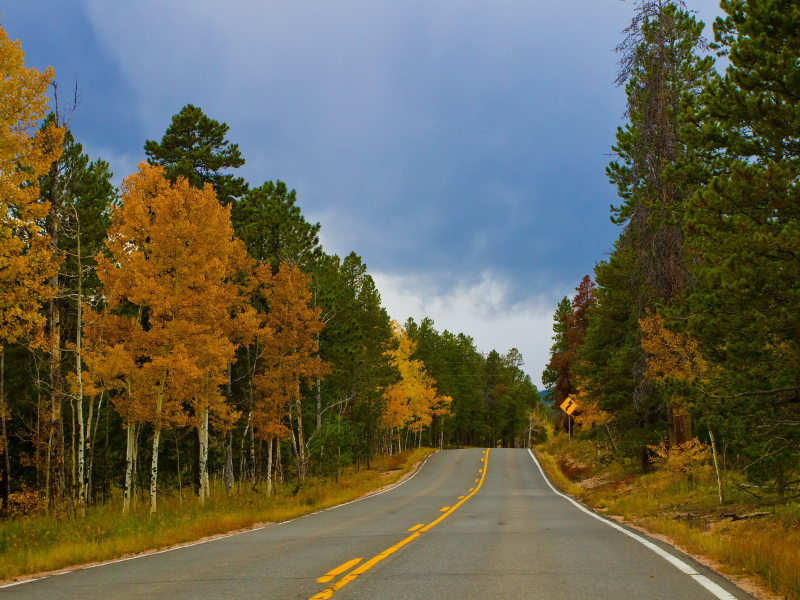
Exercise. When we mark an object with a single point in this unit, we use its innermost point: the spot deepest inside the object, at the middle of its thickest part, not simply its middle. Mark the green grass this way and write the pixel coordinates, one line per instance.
(37, 544)
(688, 512)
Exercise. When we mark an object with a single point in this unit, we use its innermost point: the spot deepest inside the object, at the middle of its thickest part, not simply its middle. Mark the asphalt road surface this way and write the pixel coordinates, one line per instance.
(469, 524)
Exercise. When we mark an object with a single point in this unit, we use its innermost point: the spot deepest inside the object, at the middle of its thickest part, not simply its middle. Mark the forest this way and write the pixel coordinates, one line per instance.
(186, 334)
(686, 340)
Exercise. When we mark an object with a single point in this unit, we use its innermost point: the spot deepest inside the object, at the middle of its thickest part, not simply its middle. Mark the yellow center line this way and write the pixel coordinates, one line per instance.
(415, 527)
(353, 575)
(444, 509)
(339, 570)
(460, 497)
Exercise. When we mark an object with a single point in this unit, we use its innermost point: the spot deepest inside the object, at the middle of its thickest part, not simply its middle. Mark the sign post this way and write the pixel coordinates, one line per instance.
(569, 406)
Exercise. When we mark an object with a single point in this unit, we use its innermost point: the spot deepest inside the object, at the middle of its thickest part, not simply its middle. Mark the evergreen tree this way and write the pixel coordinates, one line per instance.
(647, 269)
(194, 146)
(743, 229)
(269, 222)
(556, 374)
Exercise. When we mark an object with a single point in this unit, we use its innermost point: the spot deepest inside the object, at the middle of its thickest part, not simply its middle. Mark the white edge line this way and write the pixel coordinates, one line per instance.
(119, 560)
(712, 587)
(21, 582)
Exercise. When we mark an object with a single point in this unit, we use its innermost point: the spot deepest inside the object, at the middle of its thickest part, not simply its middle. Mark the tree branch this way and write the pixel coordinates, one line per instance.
(759, 393)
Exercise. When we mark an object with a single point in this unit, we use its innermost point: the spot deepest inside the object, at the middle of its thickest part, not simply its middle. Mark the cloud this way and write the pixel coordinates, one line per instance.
(482, 309)
(438, 136)
(443, 134)
(120, 164)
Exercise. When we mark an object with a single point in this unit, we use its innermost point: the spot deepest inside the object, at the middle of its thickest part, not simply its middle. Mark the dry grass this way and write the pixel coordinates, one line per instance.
(37, 544)
(766, 548)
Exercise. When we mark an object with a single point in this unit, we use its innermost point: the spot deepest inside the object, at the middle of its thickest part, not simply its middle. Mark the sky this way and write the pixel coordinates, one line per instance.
(459, 147)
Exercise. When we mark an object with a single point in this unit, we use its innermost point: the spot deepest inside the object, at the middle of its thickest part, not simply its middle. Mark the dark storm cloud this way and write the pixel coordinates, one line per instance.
(61, 35)
(442, 140)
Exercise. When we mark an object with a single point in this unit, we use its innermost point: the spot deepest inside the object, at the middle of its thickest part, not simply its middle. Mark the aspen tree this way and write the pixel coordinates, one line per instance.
(413, 401)
(110, 356)
(290, 354)
(25, 155)
(172, 253)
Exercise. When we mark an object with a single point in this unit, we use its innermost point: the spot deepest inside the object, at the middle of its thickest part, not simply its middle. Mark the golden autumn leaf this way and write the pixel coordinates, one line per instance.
(26, 259)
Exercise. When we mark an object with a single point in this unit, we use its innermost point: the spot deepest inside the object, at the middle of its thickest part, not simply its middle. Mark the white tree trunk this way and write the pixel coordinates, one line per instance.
(269, 468)
(156, 437)
(126, 497)
(79, 377)
(202, 433)
(154, 471)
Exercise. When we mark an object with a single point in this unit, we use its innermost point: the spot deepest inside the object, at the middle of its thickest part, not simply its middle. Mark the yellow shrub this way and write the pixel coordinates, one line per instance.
(25, 502)
(689, 459)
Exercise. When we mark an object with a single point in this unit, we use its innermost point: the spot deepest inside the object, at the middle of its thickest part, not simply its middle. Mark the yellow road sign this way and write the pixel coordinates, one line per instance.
(569, 405)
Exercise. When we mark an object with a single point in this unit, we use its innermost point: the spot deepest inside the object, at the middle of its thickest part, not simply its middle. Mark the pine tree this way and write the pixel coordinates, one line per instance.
(743, 230)
(269, 222)
(660, 64)
(194, 147)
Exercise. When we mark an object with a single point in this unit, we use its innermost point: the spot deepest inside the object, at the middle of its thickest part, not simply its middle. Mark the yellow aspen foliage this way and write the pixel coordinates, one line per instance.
(172, 267)
(413, 400)
(690, 459)
(589, 413)
(26, 260)
(397, 413)
(669, 354)
(287, 347)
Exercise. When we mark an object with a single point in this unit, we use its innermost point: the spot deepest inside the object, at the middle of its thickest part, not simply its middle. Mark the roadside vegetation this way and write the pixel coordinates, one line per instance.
(37, 543)
(677, 362)
(752, 533)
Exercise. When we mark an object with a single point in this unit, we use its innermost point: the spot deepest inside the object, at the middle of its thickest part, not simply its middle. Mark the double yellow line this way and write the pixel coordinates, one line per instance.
(353, 575)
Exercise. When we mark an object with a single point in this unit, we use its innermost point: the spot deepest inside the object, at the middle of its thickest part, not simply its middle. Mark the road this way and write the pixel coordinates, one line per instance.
(490, 526)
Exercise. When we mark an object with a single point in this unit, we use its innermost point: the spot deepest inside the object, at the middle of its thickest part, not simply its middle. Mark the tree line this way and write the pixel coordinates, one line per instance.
(189, 327)
(691, 326)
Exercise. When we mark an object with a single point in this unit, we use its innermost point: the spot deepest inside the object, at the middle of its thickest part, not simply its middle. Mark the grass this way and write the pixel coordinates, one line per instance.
(765, 548)
(37, 544)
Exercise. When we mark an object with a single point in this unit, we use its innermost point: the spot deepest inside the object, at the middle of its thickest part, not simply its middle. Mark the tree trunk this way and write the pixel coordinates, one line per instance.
(229, 464)
(56, 442)
(154, 470)
(156, 437)
(202, 434)
(126, 494)
(253, 457)
(269, 468)
(92, 437)
(295, 449)
(5, 480)
(716, 466)
(301, 446)
(228, 475)
(279, 464)
(319, 404)
(242, 465)
(319, 392)
(79, 400)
